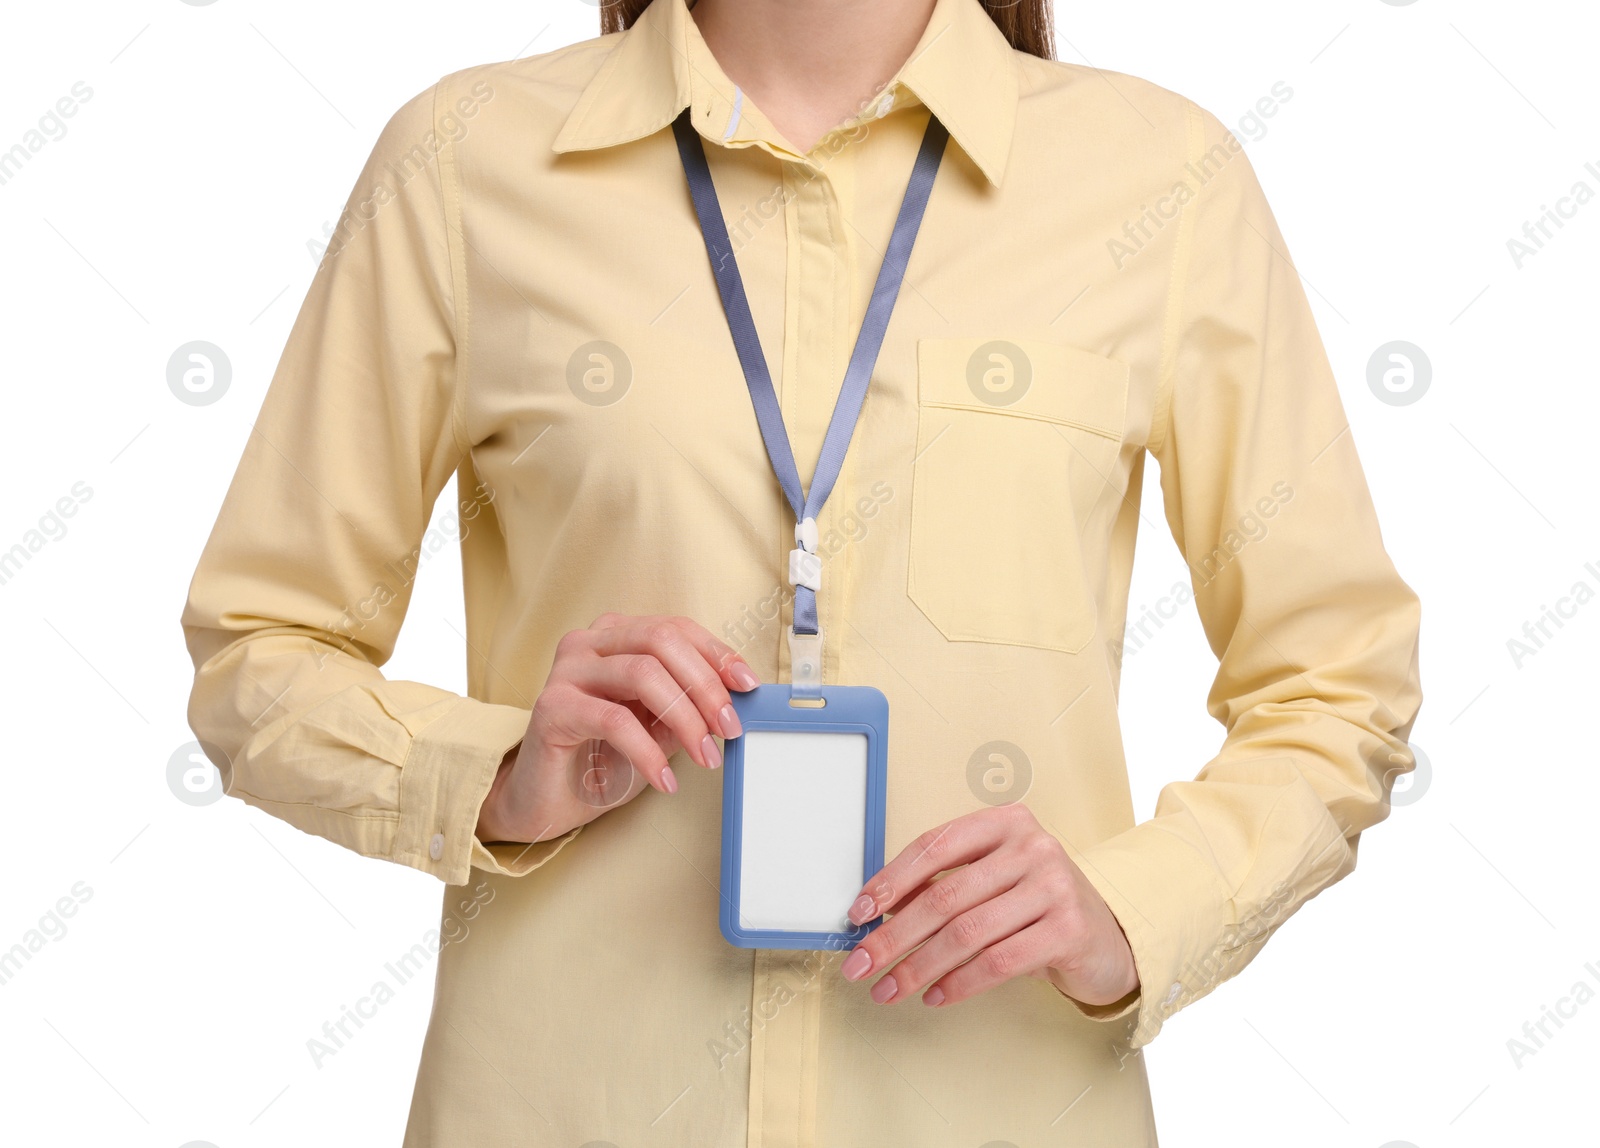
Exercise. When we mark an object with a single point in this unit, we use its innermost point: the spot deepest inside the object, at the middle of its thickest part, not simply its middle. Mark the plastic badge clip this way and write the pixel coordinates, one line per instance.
(805, 564)
(805, 650)
(805, 664)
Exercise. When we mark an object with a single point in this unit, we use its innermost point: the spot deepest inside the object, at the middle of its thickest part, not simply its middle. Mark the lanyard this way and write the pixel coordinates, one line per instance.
(805, 564)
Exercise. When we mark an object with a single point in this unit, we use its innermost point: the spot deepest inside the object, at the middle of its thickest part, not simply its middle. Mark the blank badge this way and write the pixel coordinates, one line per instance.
(802, 816)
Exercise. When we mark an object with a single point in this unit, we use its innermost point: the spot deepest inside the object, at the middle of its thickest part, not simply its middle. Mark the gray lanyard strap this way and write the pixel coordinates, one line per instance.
(805, 565)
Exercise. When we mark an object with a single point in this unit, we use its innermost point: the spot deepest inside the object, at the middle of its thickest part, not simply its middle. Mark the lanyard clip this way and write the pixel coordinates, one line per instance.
(805, 664)
(805, 564)
(805, 650)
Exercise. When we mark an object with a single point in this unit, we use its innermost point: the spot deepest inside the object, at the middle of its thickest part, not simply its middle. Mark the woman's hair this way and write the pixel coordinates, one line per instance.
(1025, 23)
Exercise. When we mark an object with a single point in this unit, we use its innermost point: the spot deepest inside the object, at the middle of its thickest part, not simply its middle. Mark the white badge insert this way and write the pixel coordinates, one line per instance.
(804, 829)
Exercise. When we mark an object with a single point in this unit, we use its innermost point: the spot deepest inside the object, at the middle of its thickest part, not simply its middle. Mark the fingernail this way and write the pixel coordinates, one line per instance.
(669, 780)
(713, 755)
(933, 997)
(730, 722)
(743, 677)
(862, 910)
(884, 989)
(857, 965)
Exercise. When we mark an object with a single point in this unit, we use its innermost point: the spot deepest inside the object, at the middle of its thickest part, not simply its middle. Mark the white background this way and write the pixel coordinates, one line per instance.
(220, 139)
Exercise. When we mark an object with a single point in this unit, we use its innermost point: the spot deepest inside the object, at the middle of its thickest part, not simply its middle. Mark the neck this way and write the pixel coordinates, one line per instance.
(809, 65)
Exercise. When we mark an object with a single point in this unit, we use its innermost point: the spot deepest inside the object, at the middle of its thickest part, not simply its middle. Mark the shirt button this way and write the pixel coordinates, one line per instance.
(885, 105)
(436, 846)
(1173, 993)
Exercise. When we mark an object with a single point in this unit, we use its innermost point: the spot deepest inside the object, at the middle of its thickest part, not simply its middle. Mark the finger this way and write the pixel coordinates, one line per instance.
(665, 738)
(728, 662)
(961, 939)
(582, 716)
(663, 735)
(1023, 952)
(944, 847)
(924, 915)
(735, 672)
(701, 685)
(604, 777)
(642, 678)
(913, 894)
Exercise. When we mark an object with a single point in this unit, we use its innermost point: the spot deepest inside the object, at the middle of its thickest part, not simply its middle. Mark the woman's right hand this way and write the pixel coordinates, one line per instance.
(623, 696)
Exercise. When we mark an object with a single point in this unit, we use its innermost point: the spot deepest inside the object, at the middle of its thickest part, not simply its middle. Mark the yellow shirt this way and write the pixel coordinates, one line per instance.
(518, 295)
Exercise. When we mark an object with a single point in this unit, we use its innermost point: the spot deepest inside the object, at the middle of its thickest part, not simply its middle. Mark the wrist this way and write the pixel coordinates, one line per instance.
(489, 827)
(1108, 978)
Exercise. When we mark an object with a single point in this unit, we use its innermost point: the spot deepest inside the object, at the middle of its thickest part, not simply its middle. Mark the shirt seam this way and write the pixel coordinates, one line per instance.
(1177, 281)
(1029, 416)
(450, 197)
(263, 802)
(839, 252)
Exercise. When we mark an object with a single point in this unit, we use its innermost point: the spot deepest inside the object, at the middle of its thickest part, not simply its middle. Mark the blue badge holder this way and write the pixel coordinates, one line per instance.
(766, 709)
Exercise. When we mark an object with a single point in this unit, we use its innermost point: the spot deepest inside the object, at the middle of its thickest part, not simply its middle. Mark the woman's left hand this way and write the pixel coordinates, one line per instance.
(1016, 904)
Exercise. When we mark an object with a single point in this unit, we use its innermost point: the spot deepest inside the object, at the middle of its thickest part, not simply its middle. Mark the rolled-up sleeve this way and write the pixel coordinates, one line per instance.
(1315, 633)
(300, 590)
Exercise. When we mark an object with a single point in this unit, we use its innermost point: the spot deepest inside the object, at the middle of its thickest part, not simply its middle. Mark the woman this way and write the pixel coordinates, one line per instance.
(519, 295)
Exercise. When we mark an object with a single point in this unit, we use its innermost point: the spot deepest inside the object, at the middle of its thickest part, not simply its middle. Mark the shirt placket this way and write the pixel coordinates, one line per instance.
(786, 994)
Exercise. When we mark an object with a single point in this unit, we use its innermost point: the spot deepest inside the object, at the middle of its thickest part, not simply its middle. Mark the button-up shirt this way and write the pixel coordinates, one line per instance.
(518, 296)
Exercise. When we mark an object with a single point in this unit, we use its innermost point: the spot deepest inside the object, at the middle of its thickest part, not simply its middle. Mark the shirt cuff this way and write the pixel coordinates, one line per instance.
(1116, 1010)
(513, 859)
(448, 770)
(1175, 914)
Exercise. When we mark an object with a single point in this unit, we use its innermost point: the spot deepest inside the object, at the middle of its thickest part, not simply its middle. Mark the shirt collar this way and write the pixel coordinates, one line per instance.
(962, 68)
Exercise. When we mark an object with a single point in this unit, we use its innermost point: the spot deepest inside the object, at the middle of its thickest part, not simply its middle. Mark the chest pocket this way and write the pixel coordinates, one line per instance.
(1016, 443)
